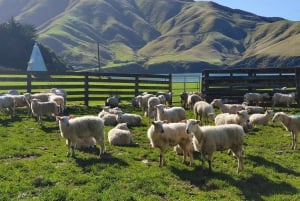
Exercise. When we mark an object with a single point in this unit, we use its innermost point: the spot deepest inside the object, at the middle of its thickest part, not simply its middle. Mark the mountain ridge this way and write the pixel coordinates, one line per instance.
(159, 34)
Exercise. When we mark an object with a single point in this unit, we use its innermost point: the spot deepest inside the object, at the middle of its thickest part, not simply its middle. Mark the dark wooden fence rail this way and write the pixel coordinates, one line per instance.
(231, 85)
(84, 87)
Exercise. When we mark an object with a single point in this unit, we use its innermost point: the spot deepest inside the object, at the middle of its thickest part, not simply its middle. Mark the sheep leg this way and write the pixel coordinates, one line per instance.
(239, 155)
(209, 162)
(161, 158)
(102, 147)
(294, 140)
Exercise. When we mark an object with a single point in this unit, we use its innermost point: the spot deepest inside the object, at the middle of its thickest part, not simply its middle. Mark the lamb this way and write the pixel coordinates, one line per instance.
(204, 110)
(192, 99)
(8, 102)
(261, 119)
(240, 118)
(280, 98)
(82, 127)
(143, 101)
(152, 102)
(130, 119)
(290, 123)
(256, 97)
(217, 138)
(162, 135)
(120, 135)
(43, 108)
(227, 108)
(113, 101)
(173, 114)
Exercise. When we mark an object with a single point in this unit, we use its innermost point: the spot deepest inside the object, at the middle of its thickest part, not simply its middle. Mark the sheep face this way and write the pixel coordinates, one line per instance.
(158, 126)
(278, 116)
(191, 125)
(122, 126)
(64, 120)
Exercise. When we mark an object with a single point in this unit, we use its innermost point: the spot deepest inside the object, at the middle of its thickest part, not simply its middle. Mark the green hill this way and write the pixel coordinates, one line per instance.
(158, 36)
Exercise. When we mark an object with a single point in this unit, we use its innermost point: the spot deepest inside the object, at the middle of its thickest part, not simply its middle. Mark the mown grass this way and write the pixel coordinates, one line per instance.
(34, 166)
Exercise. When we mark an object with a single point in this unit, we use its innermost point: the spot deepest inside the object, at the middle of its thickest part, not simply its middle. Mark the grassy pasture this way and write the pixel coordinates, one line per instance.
(34, 165)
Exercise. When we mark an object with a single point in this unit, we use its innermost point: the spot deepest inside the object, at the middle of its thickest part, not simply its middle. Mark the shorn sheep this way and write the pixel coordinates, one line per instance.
(162, 135)
(40, 109)
(227, 108)
(261, 119)
(291, 123)
(280, 98)
(217, 138)
(120, 135)
(73, 129)
(173, 114)
(204, 110)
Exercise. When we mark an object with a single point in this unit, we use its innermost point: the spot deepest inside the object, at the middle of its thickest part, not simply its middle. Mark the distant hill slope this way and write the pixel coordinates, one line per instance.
(158, 36)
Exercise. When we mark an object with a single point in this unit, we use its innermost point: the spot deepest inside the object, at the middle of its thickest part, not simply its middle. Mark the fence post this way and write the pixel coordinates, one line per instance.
(86, 90)
(29, 83)
(297, 78)
(136, 86)
(170, 87)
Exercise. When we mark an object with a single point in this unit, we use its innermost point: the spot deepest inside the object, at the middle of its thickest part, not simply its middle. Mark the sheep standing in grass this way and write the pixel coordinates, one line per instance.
(192, 99)
(217, 138)
(152, 102)
(21, 101)
(73, 129)
(183, 99)
(130, 119)
(40, 109)
(261, 119)
(173, 114)
(120, 135)
(204, 110)
(290, 123)
(167, 97)
(227, 108)
(143, 102)
(286, 99)
(240, 118)
(162, 135)
(8, 102)
(60, 101)
(60, 92)
(256, 98)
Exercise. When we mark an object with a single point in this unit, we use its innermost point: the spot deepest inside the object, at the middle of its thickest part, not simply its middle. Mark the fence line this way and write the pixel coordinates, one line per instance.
(84, 87)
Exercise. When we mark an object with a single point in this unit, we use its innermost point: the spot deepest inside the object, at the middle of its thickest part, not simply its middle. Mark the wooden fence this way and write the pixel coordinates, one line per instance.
(84, 87)
(231, 85)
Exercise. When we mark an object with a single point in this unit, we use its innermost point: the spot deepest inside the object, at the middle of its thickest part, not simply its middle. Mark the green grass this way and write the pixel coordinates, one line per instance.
(34, 166)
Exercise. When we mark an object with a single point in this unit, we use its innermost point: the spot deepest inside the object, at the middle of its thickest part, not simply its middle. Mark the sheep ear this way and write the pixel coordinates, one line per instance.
(153, 123)
(198, 122)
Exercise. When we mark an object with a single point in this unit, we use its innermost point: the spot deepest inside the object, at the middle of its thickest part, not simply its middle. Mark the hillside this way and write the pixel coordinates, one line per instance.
(158, 36)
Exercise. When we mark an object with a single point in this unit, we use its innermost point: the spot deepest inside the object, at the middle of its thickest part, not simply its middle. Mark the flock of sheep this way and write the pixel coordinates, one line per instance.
(168, 125)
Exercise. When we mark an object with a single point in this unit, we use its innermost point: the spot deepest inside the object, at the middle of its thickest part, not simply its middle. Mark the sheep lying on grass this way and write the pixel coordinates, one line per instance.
(77, 128)
(162, 135)
(286, 99)
(109, 115)
(173, 114)
(113, 101)
(120, 135)
(227, 108)
(290, 123)
(256, 98)
(40, 109)
(240, 118)
(217, 138)
(130, 119)
(204, 110)
(261, 119)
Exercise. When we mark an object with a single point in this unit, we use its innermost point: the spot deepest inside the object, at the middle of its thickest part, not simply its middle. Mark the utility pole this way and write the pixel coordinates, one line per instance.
(98, 43)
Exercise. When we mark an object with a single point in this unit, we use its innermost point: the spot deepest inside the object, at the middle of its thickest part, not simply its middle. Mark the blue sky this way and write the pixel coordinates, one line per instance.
(288, 9)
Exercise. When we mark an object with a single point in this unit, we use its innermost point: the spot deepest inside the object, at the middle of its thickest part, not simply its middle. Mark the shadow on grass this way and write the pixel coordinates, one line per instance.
(7, 121)
(253, 188)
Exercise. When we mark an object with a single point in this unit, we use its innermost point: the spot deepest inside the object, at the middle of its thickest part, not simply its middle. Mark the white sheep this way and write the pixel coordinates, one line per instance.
(60, 92)
(143, 102)
(40, 109)
(173, 114)
(60, 101)
(82, 143)
(167, 97)
(261, 119)
(192, 99)
(253, 109)
(227, 108)
(120, 135)
(113, 101)
(217, 138)
(13, 92)
(256, 98)
(42, 97)
(82, 127)
(204, 110)
(109, 115)
(162, 135)
(21, 101)
(240, 117)
(130, 119)
(152, 102)
(162, 99)
(291, 123)
(280, 98)
(7, 102)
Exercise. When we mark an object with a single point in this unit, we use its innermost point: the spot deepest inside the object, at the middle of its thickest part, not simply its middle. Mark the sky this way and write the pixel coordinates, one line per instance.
(288, 9)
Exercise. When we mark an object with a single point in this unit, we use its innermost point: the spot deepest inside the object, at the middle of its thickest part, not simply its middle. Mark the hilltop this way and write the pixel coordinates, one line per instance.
(158, 36)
